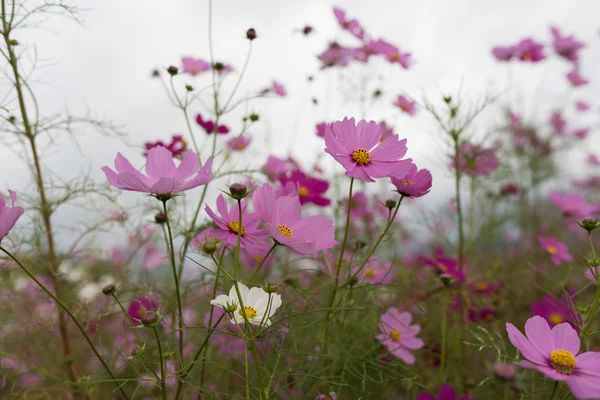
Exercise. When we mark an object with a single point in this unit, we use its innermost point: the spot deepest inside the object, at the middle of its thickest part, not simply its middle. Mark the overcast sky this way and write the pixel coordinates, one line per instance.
(104, 66)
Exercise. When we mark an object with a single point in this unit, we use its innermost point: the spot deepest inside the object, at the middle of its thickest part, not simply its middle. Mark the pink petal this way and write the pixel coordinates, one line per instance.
(584, 386)
(128, 181)
(524, 345)
(159, 163)
(539, 335)
(188, 167)
(165, 186)
(566, 338)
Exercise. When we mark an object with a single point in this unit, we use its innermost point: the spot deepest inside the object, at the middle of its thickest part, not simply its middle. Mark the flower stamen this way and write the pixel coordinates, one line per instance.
(563, 361)
(361, 156)
(285, 231)
(234, 227)
(395, 335)
(250, 312)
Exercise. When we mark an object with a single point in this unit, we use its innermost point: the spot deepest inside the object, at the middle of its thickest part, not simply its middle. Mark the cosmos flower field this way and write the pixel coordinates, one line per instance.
(234, 275)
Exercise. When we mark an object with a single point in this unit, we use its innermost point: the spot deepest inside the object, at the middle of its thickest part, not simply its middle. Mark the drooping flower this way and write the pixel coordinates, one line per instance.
(259, 305)
(359, 149)
(566, 46)
(503, 53)
(279, 89)
(405, 104)
(229, 225)
(177, 146)
(309, 190)
(558, 251)
(162, 176)
(553, 352)
(239, 143)
(209, 126)
(414, 183)
(445, 392)
(9, 215)
(577, 79)
(529, 50)
(350, 25)
(282, 218)
(476, 160)
(139, 306)
(557, 311)
(398, 335)
(194, 66)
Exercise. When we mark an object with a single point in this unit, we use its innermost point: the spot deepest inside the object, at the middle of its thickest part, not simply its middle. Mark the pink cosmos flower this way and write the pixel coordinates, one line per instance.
(239, 143)
(565, 46)
(229, 225)
(553, 352)
(279, 89)
(574, 205)
(177, 146)
(350, 25)
(362, 153)
(581, 105)
(359, 206)
(592, 274)
(9, 215)
(335, 55)
(557, 311)
(593, 160)
(194, 66)
(376, 272)
(445, 266)
(276, 167)
(557, 122)
(320, 129)
(476, 160)
(162, 176)
(398, 335)
(140, 305)
(153, 256)
(558, 251)
(309, 190)
(502, 53)
(405, 104)
(581, 133)
(577, 79)
(329, 396)
(529, 50)
(415, 183)
(445, 392)
(386, 130)
(282, 218)
(391, 53)
(209, 126)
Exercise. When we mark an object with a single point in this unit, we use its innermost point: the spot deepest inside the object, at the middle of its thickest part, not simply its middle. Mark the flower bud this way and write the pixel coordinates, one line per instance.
(172, 70)
(391, 204)
(238, 191)
(353, 281)
(149, 318)
(307, 30)
(270, 288)
(209, 247)
(291, 280)
(189, 88)
(108, 289)
(231, 307)
(589, 224)
(505, 372)
(155, 73)
(251, 34)
(360, 244)
(218, 66)
(254, 117)
(377, 93)
(160, 218)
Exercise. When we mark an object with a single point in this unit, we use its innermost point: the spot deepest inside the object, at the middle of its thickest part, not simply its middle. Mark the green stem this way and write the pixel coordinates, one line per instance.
(263, 261)
(163, 386)
(554, 390)
(66, 309)
(444, 336)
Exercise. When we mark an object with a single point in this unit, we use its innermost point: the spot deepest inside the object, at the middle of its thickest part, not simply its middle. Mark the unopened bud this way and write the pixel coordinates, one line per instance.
(270, 288)
(172, 70)
(155, 73)
(251, 34)
(254, 117)
(505, 372)
(231, 307)
(238, 191)
(218, 66)
(391, 204)
(291, 280)
(149, 318)
(589, 224)
(189, 88)
(377, 93)
(209, 247)
(108, 289)
(160, 218)
(360, 244)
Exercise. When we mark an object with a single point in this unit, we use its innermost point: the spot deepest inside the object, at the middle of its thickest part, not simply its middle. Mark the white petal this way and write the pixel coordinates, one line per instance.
(220, 301)
(255, 297)
(243, 292)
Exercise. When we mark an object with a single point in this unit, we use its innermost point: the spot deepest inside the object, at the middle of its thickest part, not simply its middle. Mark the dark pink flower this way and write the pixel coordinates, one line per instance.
(529, 50)
(398, 335)
(558, 251)
(279, 89)
(320, 128)
(565, 46)
(476, 160)
(577, 79)
(502, 53)
(557, 311)
(553, 352)
(359, 149)
(194, 66)
(350, 25)
(9, 215)
(239, 143)
(282, 217)
(557, 122)
(162, 176)
(209, 126)
(140, 305)
(445, 392)
(414, 183)
(509, 189)
(309, 190)
(329, 396)
(405, 104)
(276, 168)
(445, 266)
(177, 146)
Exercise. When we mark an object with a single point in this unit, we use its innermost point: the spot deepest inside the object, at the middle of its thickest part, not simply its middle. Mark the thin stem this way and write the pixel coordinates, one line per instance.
(554, 390)
(444, 337)
(176, 278)
(66, 309)
(163, 386)
(240, 229)
(339, 264)
(263, 261)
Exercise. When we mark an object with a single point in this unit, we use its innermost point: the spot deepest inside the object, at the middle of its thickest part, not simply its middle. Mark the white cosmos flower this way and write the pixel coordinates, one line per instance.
(259, 305)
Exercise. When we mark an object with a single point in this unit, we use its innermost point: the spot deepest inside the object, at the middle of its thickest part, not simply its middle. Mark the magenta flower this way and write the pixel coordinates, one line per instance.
(529, 50)
(279, 89)
(9, 215)
(359, 150)
(276, 168)
(229, 225)
(140, 305)
(553, 352)
(329, 396)
(445, 392)
(574, 205)
(350, 25)
(577, 79)
(557, 122)
(239, 143)
(405, 104)
(282, 218)
(509, 189)
(309, 190)
(376, 272)
(177, 146)
(194, 66)
(581, 133)
(565, 46)
(558, 251)
(581, 105)
(209, 126)
(320, 129)
(391, 53)
(476, 160)
(557, 311)
(502, 53)
(414, 183)
(398, 335)
(162, 176)
(445, 266)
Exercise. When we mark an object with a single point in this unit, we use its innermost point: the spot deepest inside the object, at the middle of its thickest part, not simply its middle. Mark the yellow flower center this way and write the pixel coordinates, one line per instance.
(555, 318)
(361, 156)
(250, 312)
(406, 182)
(551, 249)
(302, 192)
(285, 231)
(563, 361)
(442, 267)
(395, 57)
(481, 286)
(370, 273)
(395, 335)
(528, 55)
(257, 258)
(234, 227)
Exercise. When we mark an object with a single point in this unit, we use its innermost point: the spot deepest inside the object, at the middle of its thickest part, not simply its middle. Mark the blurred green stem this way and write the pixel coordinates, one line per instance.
(163, 387)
